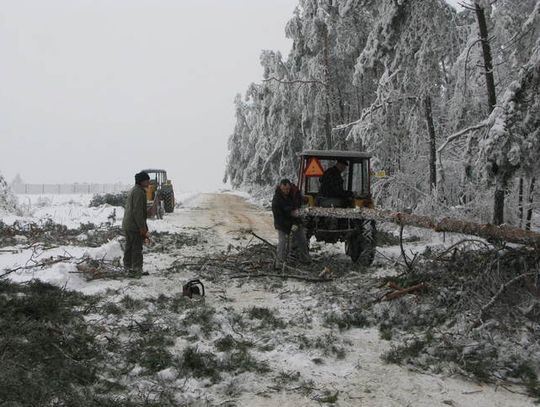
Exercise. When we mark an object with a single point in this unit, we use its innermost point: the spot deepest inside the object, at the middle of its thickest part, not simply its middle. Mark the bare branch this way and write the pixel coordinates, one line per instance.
(408, 263)
(466, 62)
(485, 308)
(372, 109)
(466, 5)
(45, 263)
(460, 133)
(263, 240)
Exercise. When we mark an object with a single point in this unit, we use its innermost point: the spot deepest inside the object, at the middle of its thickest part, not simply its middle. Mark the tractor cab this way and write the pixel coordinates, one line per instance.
(356, 177)
(160, 194)
(359, 235)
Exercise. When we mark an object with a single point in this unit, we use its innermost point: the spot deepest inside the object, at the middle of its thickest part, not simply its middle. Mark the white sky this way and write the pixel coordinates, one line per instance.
(95, 90)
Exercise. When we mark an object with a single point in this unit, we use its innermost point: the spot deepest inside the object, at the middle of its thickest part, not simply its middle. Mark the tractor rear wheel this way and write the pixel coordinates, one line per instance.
(167, 195)
(361, 245)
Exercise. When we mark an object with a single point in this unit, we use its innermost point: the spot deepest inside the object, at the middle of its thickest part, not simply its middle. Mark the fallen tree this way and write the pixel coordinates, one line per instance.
(487, 231)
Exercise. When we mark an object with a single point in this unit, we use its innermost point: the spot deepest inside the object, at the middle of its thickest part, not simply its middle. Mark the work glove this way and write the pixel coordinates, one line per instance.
(294, 228)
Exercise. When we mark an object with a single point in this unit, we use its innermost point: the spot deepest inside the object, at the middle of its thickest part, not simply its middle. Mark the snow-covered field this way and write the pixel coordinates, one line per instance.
(72, 211)
(308, 363)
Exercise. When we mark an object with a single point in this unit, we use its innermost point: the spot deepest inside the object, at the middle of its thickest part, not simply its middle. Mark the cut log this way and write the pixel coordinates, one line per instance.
(487, 231)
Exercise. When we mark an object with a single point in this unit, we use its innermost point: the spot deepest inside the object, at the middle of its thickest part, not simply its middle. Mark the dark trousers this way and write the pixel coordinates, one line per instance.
(294, 238)
(133, 257)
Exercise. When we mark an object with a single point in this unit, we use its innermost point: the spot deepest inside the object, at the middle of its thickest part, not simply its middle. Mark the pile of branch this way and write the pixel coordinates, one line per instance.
(255, 260)
(473, 280)
(90, 268)
(476, 299)
(166, 242)
(98, 269)
(34, 264)
(50, 234)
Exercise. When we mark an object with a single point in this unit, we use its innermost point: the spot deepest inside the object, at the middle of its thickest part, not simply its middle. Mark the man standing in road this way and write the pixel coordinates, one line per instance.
(285, 204)
(134, 224)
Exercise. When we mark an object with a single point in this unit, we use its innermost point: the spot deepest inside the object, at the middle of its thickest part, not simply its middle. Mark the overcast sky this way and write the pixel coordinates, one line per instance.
(95, 90)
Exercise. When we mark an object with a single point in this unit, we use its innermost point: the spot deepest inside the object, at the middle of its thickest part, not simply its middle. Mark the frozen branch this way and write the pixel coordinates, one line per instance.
(372, 109)
(294, 81)
(490, 304)
(460, 133)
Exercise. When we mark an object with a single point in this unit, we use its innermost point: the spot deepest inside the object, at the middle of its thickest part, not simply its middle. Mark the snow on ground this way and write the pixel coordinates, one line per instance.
(360, 378)
(62, 274)
(184, 199)
(70, 210)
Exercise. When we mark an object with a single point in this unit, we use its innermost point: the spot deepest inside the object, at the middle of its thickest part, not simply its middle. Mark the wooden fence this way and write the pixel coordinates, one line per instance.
(68, 188)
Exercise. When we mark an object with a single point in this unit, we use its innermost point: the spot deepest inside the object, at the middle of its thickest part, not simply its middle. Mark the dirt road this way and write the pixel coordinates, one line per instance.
(309, 360)
(233, 214)
(226, 215)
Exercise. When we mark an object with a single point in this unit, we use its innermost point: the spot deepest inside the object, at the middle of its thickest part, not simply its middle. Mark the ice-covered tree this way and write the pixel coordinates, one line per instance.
(404, 79)
(512, 144)
(302, 98)
(8, 201)
(413, 45)
(502, 38)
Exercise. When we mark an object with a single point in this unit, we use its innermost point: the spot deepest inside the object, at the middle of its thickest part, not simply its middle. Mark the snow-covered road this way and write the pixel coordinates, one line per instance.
(227, 214)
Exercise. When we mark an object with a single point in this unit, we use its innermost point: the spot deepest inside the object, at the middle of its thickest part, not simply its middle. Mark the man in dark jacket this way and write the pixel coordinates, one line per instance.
(134, 224)
(285, 204)
(332, 182)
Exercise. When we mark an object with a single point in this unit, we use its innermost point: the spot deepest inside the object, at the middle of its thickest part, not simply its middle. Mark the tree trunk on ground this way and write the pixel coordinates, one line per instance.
(487, 231)
(432, 145)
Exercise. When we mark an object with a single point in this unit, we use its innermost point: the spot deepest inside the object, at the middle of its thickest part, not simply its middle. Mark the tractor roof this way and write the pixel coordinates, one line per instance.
(335, 154)
(154, 170)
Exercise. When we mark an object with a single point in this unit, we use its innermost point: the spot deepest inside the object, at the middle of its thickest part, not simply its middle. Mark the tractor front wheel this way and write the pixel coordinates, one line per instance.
(167, 195)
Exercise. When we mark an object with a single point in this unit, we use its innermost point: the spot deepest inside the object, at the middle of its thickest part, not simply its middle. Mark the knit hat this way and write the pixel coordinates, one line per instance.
(141, 176)
(285, 181)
